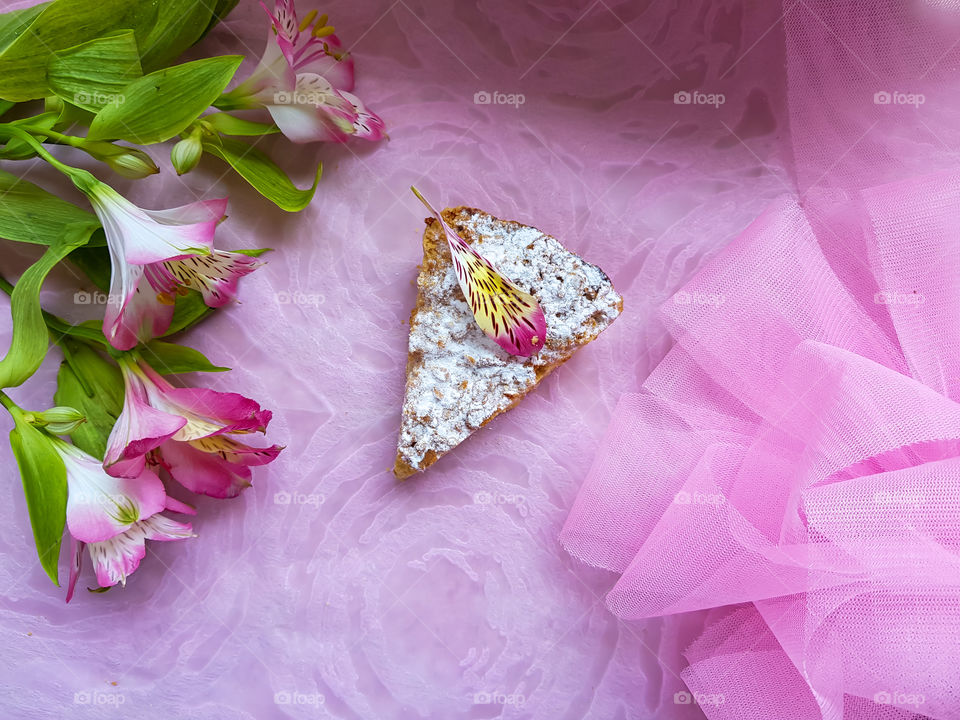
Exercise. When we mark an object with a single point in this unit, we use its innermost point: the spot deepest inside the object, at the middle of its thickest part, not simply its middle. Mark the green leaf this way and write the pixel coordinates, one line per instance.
(95, 73)
(163, 29)
(178, 25)
(160, 105)
(171, 359)
(221, 9)
(89, 331)
(30, 338)
(94, 262)
(13, 23)
(188, 311)
(18, 149)
(230, 125)
(45, 487)
(63, 24)
(31, 214)
(5, 105)
(253, 252)
(68, 114)
(263, 174)
(90, 383)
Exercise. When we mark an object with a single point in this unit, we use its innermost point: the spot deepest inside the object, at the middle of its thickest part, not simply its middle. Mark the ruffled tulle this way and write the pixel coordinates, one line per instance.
(796, 457)
(784, 489)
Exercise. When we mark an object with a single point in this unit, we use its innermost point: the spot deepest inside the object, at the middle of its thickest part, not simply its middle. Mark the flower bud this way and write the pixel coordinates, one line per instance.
(60, 420)
(129, 162)
(134, 164)
(186, 153)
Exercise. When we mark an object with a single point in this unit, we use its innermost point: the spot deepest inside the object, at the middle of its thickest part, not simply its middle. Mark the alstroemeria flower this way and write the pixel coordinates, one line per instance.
(99, 505)
(509, 316)
(138, 238)
(114, 560)
(186, 431)
(313, 112)
(304, 80)
(113, 516)
(154, 254)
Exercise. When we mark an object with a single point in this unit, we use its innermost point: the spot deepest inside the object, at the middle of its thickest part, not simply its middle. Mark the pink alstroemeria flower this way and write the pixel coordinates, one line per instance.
(113, 516)
(304, 80)
(155, 253)
(185, 431)
(114, 560)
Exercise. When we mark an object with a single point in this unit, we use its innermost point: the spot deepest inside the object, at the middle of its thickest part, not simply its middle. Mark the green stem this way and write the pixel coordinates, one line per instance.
(8, 403)
(58, 327)
(56, 137)
(40, 149)
(68, 357)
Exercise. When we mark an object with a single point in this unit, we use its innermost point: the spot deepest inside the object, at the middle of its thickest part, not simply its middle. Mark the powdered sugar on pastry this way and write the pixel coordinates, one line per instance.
(458, 378)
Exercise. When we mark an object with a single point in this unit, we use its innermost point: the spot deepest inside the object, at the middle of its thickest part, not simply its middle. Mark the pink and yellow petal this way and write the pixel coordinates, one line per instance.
(216, 275)
(326, 57)
(509, 316)
(210, 412)
(236, 453)
(314, 112)
(272, 75)
(139, 318)
(139, 429)
(205, 473)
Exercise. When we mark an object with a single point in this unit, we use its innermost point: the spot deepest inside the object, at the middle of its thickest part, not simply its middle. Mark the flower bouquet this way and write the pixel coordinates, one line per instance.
(101, 78)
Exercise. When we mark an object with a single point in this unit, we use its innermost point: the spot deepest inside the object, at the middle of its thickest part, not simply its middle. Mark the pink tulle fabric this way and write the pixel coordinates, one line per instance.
(329, 590)
(786, 482)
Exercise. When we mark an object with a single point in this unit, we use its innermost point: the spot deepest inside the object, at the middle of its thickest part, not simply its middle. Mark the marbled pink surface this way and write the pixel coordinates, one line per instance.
(447, 596)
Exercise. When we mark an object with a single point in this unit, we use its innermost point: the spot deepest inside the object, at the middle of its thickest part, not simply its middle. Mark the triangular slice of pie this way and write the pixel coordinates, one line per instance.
(458, 379)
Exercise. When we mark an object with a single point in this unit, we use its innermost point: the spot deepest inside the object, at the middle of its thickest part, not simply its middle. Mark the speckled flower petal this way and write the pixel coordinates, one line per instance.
(117, 558)
(235, 452)
(215, 275)
(511, 317)
(368, 125)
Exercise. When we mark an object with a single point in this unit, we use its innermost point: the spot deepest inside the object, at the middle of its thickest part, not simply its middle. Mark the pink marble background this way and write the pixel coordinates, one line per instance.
(328, 590)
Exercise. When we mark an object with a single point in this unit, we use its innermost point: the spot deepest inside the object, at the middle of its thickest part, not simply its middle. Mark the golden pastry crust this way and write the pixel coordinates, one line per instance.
(438, 296)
